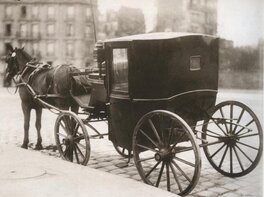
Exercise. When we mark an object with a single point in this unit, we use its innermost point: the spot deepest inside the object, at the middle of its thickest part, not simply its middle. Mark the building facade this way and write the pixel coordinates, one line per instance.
(57, 32)
(197, 16)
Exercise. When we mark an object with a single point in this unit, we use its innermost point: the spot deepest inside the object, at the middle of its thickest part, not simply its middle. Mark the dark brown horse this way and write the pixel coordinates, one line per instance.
(47, 81)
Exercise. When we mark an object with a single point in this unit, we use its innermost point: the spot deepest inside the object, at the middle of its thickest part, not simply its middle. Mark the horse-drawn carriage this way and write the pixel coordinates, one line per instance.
(158, 93)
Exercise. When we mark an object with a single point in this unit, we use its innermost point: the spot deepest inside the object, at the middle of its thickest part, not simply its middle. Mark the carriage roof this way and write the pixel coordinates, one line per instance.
(156, 36)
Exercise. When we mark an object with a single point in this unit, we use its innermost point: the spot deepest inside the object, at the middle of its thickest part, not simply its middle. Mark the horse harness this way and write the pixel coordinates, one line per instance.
(37, 69)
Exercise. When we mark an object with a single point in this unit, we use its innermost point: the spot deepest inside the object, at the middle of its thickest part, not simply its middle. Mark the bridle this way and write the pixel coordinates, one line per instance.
(13, 68)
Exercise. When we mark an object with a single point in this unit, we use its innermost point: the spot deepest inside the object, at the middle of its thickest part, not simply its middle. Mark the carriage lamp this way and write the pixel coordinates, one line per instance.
(99, 56)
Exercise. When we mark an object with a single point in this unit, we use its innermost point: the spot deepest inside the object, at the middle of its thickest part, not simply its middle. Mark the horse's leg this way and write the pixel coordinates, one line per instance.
(38, 127)
(26, 111)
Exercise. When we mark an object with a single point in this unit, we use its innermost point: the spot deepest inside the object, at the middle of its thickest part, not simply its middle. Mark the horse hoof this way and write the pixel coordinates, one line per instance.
(38, 147)
(25, 146)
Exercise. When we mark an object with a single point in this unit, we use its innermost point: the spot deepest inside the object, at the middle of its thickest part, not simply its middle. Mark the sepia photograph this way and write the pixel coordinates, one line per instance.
(124, 98)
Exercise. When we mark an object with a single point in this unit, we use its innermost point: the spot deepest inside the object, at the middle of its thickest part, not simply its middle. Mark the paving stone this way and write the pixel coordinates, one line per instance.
(117, 171)
(207, 194)
(208, 184)
(231, 186)
(110, 168)
(136, 177)
(230, 194)
(218, 190)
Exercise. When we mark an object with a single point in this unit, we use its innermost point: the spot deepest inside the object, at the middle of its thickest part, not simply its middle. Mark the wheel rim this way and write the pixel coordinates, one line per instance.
(123, 151)
(238, 138)
(72, 139)
(161, 140)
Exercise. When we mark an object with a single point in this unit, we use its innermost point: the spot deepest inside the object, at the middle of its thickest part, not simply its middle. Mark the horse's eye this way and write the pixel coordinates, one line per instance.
(13, 54)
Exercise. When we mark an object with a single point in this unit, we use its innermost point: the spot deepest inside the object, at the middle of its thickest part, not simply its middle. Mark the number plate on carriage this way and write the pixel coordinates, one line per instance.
(195, 63)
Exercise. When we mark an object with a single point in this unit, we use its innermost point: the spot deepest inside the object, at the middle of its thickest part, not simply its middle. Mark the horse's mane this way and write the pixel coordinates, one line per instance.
(25, 54)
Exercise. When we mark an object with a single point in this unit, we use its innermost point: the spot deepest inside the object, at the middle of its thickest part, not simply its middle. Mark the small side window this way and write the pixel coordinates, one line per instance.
(195, 63)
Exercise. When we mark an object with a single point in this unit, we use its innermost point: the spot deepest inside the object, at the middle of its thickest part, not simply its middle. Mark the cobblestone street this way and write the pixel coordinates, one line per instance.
(104, 157)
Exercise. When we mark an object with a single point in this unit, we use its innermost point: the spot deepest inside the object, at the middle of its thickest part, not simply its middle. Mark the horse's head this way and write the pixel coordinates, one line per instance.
(16, 60)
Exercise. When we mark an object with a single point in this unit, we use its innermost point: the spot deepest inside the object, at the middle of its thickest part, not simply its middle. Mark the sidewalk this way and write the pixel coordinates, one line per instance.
(27, 173)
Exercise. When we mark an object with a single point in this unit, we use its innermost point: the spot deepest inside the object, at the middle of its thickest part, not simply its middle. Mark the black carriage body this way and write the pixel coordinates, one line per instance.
(177, 72)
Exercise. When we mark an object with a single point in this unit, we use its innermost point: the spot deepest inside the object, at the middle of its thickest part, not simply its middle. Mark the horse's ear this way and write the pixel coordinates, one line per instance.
(9, 48)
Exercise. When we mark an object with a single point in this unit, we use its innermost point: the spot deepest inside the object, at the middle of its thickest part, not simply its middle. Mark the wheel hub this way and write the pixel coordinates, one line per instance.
(68, 140)
(230, 139)
(164, 155)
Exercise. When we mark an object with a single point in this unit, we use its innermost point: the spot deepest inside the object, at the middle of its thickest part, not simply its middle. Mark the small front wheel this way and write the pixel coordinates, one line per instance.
(72, 139)
(166, 153)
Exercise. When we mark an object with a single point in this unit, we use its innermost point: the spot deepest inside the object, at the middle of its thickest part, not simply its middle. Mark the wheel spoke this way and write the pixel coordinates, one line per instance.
(184, 149)
(79, 150)
(238, 158)
(145, 159)
(217, 151)
(222, 159)
(231, 159)
(81, 145)
(239, 119)
(62, 135)
(168, 176)
(231, 117)
(147, 148)
(160, 174)
(76, 129)
(155, 130)
(244, 135)
(244, 153)
(222, 114)
(175, 177)
(154, 143)
(66, 151)
(66, 125)
(76, 155)
(177, 141)
(182, 172)
(248, 145)
(219, 126)
(63, 127)
(80, 137)
(213, 133)
(249, 123)
(153, 168)
(184, 161)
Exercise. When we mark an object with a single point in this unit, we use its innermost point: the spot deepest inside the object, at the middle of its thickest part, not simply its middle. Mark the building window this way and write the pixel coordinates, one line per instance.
(51, 12)
(70, 12)
(35, 30)
(8, 29)
(50, 49)
(35, 47)
(23, 11)
(70, 50)
(8, 11)
(35, 11)
(23, 30)
(50, 30)
(88, 31)
(69, 30)
(88, 13)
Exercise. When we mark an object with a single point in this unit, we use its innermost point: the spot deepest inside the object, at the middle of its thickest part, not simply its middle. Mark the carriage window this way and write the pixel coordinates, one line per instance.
(195, 63)
(120, 71)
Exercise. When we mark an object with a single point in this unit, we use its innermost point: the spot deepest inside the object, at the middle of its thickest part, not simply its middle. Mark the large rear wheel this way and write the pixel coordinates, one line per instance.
(72, 139)
(234, 137)
(166, 153)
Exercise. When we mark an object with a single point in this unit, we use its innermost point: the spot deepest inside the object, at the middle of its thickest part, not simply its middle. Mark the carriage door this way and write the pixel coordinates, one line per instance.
(119, 113)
